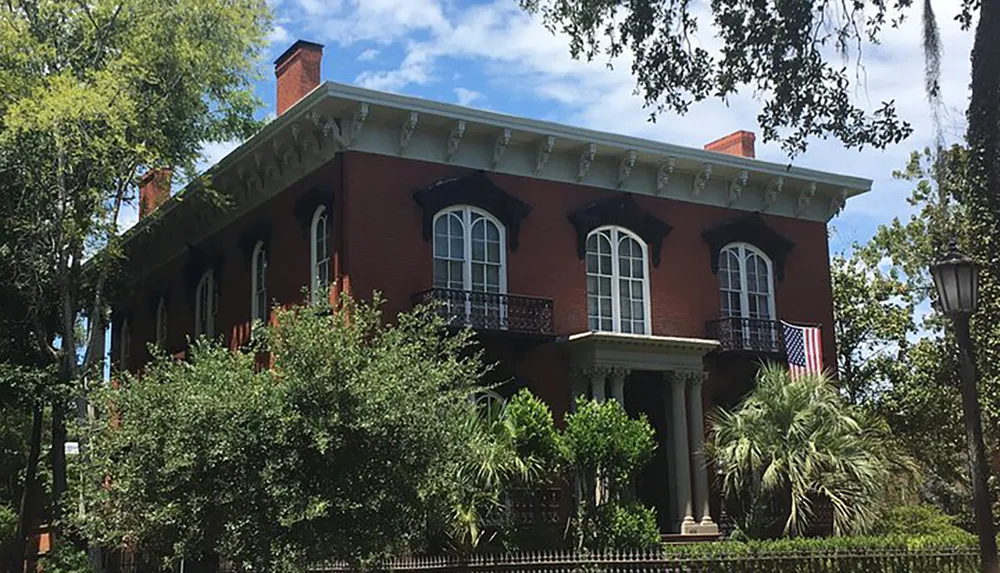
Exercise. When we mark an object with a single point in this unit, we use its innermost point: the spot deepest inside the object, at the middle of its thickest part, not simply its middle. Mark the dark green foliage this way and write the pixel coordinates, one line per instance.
(790, 55)
(531, 428)
(602, 449)
(792, 441)
(917, 520)
(601, 439)
(67, 558)
(627, 526)
(339, 451)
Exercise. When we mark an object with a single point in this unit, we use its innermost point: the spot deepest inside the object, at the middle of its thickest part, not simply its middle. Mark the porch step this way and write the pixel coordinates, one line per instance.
(679, 538)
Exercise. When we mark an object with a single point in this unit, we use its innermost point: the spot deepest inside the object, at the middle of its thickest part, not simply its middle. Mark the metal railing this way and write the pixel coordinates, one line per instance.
(747, 334)
(492, 311)
(876, 560)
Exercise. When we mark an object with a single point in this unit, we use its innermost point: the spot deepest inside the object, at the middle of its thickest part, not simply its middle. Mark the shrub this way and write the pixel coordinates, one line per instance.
(532, 431)
(626, 527)
(8, 525)
(603, 448)
(917, 520)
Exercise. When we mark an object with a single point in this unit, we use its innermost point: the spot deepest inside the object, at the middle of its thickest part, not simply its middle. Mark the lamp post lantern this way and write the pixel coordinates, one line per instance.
(956, 278)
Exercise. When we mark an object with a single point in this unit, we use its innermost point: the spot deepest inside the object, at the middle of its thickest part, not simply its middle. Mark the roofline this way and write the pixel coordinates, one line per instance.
(856, 185)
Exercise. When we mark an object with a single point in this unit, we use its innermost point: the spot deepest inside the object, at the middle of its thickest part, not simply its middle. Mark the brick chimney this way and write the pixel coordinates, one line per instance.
(736, 143)
(154, 189)
(297, 72)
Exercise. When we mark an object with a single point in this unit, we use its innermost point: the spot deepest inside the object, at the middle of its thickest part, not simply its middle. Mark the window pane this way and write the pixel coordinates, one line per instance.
(493, 252)
(605, 261)
(493, 276)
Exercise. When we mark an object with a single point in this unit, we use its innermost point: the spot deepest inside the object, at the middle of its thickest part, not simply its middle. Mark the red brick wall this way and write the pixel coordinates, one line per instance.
(288, 273)
(377, 245)
(386, 250)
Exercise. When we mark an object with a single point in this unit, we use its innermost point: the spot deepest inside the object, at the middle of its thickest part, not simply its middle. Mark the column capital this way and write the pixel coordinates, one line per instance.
(686, 377)
(592, 371)
(619, 371)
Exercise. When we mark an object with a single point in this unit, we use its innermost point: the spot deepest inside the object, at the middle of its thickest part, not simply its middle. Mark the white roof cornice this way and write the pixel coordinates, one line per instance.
(334, 118)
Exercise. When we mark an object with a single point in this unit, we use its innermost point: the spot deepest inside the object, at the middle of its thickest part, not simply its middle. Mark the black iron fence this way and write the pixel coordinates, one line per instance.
(747, 334)
(492, 311)
(929, 560)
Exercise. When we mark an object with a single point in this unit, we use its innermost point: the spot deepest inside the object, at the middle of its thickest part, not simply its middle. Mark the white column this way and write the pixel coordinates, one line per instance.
(697, 430)
(684, 519)
(598, 381)
(618, 376)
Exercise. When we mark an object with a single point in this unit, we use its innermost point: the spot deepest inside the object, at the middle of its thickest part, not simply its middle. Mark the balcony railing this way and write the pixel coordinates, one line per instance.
(747, 334)
(492, 311)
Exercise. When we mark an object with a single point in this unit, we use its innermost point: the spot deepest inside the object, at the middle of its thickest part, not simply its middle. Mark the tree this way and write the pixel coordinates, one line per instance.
(920, 402)
(873, 317)
(95, 93)
(602, 448)
(339, 451)
(514, 448)
(792, 442)
(791, 55)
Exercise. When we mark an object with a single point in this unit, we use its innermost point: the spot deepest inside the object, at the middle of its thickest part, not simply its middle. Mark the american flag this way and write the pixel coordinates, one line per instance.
(804, 346)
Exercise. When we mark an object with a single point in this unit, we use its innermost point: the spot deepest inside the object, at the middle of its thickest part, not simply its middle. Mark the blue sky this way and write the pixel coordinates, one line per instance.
(491, 55)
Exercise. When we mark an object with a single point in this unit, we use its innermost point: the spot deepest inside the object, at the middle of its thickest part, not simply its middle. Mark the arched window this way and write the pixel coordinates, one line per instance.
(161, 322)
(205, 305)
(746, 283)
(617, 282)
(258, 284)
(468, 251)
(469, 256)
(125, 345)
(490, 405)
(319, 253)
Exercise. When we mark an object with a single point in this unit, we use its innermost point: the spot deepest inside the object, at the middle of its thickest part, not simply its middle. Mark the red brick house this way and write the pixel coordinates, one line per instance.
(590, 263)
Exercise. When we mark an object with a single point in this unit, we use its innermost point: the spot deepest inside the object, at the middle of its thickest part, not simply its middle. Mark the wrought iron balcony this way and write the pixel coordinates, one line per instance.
(736, 333)
(492, 311)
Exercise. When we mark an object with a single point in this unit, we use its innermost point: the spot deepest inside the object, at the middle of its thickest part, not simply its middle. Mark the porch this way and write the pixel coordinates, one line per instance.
(661, 377)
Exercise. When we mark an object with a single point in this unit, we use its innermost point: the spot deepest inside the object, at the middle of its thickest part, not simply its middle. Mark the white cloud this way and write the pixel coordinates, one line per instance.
(467, 97)
(367, 55)
(279, 35)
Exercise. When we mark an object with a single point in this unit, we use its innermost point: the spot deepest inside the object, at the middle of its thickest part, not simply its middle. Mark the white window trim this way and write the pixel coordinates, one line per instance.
(208, 281)
(160, 334)
(740, 248)
(616, 314)
(258, 251)
(466, 212)
(313, 262)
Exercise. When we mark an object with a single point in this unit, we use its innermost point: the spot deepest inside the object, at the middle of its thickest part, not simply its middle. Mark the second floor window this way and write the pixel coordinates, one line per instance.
(745, 281)
(161, 323)
(617, 282)
(319, 269)
(469, 251)
(205, 305)
(258, 284)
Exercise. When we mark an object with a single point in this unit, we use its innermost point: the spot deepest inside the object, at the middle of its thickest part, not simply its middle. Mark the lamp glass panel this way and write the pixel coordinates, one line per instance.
(946, 281)
(966, 278)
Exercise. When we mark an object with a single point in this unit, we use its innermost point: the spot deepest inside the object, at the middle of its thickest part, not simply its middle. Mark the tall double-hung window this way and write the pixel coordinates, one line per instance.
(617, 282)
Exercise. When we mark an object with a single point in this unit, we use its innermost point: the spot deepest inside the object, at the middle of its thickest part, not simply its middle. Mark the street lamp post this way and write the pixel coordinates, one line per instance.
(956, 279)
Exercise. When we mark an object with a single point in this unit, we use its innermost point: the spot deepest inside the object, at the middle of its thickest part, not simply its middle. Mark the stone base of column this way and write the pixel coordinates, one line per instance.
(706, 527)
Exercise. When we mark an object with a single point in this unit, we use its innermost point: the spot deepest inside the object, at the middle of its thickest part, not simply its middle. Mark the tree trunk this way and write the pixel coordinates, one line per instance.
(28, 495)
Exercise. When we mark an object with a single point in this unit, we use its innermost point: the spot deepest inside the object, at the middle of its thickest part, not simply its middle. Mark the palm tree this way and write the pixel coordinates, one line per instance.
(792, 442)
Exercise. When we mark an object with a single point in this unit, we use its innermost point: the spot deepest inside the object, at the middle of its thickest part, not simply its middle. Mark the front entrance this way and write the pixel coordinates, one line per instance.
(644, 396)
(660, 377)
